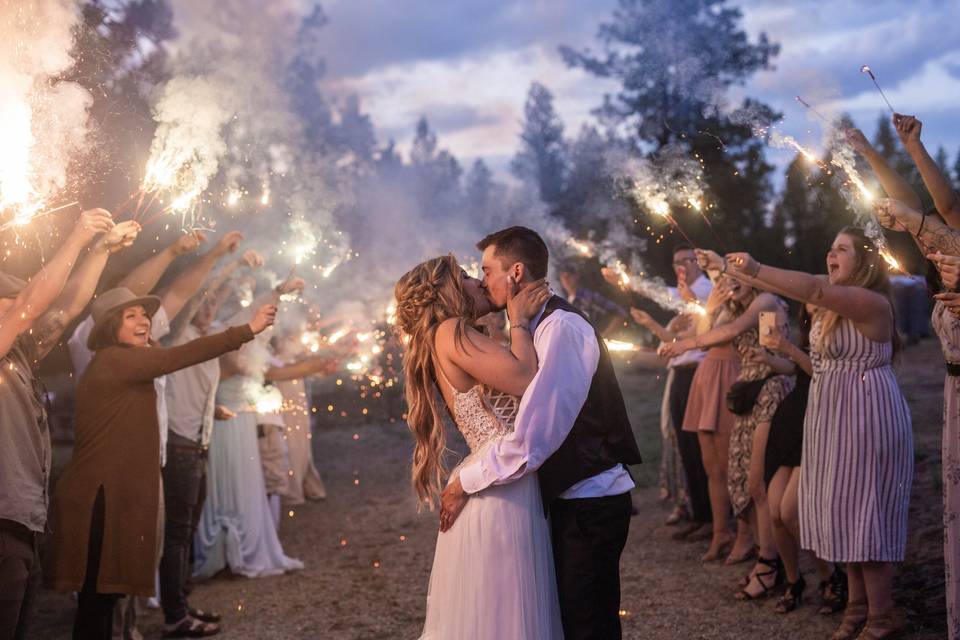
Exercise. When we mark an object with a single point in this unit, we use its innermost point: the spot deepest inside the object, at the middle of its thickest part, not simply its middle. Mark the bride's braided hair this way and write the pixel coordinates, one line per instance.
(427, 295)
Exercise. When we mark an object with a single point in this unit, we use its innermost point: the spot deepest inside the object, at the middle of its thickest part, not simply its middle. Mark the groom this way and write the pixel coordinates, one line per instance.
(572, 429)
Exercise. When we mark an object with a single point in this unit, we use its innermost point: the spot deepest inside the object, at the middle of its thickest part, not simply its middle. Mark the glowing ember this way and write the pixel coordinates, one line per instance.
(891, 261)
(619, 345)
(336, 335)
(581, 247)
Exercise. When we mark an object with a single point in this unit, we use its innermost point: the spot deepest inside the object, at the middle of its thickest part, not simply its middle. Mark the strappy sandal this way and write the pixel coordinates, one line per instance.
(854, 617)
(883, 626)
(191, 628)
(793, 597)
(833, 592)
(776, 570)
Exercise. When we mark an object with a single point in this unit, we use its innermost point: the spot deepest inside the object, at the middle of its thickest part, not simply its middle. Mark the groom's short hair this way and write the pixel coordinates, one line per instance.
(519, 244)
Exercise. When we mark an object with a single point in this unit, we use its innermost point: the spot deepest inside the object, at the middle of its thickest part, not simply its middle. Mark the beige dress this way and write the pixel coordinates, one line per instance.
(305, 481)
(947, 327)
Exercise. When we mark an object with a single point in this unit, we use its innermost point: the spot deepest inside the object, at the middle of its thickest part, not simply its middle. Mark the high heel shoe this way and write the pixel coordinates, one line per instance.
(833, 592)
(776, 570)
(793, 597)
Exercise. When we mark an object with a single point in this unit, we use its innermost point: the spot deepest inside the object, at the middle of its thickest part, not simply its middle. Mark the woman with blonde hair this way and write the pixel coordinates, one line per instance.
(493, 573)
(857, 463)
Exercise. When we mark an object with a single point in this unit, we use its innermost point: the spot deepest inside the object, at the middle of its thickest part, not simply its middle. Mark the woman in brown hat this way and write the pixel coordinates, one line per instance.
(106, 506)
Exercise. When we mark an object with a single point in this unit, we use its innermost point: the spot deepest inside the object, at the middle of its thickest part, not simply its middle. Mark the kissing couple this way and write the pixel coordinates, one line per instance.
(533, 521)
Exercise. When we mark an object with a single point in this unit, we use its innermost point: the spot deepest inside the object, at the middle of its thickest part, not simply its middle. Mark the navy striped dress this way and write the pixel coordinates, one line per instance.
(857, 463)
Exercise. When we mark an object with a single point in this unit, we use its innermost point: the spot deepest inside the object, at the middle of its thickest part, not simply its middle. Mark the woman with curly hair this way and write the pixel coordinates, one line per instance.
(493, 573)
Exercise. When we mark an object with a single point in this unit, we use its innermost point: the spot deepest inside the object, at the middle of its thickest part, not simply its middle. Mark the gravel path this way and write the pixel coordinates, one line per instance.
(368, 553)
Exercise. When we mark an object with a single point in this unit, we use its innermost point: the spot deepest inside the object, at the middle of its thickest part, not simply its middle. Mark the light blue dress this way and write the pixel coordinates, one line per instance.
(236, 529)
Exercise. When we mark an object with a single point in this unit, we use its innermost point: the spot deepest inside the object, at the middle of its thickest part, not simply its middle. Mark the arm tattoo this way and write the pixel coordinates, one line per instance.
(47, 331)
(940, 237)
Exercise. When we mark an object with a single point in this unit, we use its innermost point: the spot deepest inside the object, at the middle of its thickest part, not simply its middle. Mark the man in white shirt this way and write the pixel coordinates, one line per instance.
(572, 428)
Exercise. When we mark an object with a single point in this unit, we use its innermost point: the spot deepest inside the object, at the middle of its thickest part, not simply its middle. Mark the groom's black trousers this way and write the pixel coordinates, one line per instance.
(588, 537)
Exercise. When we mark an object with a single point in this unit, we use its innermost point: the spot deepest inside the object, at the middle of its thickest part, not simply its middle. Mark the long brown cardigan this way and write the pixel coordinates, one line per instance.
(118, 448)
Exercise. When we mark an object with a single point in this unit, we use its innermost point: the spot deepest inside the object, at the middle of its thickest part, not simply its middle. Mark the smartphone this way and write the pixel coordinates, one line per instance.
(768, 325)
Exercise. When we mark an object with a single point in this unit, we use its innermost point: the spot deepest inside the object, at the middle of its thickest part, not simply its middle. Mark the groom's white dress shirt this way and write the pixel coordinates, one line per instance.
(568, 354)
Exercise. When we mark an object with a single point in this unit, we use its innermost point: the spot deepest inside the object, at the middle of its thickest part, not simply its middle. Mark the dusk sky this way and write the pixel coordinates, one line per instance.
(467, 64)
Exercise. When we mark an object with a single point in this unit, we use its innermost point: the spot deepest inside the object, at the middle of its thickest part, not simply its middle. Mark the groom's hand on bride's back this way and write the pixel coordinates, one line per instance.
(452, 501)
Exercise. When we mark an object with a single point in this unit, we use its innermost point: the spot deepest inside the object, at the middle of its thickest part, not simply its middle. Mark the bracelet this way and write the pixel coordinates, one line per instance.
(756, 272)
(724, 269)
(519, 326)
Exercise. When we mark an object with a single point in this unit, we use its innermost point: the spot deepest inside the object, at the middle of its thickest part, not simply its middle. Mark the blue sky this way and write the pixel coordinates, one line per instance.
(467, 65)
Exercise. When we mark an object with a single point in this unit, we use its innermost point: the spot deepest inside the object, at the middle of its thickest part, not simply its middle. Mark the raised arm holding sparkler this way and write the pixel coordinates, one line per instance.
(728, 289)
(945, 197)
(18, 313)
(892, 182)
(189, 282)
(145, 276)
(931, 234)
(80, 287)
(852, 289)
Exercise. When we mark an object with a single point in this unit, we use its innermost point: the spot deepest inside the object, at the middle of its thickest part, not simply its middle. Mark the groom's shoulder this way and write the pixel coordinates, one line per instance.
(564, 320)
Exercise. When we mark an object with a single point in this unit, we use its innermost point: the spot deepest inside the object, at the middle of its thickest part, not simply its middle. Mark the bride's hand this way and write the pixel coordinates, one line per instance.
(524, 303)
(452, 501)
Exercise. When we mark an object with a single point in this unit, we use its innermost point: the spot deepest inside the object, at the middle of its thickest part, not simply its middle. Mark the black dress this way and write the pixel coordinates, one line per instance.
(785, 443)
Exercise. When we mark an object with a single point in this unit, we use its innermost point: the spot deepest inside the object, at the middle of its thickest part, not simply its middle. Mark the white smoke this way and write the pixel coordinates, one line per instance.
(43, 121)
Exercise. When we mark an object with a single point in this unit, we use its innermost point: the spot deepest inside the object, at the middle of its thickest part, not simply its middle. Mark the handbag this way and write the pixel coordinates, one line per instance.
(743, 395)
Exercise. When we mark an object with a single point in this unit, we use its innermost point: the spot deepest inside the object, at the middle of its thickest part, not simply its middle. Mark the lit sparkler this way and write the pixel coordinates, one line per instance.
(867, 70)
(620, 345)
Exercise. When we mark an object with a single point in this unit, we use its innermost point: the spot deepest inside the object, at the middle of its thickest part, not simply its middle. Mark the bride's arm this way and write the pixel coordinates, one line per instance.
(489, 362)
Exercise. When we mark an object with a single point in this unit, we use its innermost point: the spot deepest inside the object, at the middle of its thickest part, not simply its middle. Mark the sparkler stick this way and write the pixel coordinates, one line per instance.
(867, 70)
(812, 110)
(17, 223)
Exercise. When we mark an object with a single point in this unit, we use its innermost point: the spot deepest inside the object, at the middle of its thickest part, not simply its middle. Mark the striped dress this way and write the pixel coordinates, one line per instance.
(857, 463)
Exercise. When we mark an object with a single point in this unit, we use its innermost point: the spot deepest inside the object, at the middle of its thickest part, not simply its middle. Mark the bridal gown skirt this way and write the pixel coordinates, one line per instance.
(236, 529)
(493, 576)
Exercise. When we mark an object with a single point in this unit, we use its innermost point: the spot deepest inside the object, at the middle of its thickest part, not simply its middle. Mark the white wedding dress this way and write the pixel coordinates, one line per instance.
(493, 575)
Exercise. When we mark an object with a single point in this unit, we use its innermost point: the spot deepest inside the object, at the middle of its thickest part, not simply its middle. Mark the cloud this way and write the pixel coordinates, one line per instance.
(494, 86)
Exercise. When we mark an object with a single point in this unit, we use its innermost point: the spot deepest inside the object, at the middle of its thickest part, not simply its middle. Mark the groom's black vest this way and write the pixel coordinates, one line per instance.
(601, 436)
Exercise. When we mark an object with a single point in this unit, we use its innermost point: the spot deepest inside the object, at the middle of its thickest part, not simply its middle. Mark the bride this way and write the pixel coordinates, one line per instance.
(493, 574)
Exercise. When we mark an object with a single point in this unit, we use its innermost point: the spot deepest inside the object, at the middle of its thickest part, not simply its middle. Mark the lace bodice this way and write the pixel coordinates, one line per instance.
(482, 414)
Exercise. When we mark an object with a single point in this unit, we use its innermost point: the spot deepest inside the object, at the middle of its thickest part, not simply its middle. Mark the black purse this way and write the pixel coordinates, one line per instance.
(743, 395)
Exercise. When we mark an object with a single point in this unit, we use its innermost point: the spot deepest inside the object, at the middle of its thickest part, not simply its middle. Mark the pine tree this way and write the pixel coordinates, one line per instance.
(479, 185)
(541, 158)
(675, 61)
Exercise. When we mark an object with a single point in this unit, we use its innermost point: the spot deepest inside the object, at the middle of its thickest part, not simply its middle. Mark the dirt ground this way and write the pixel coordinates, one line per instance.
(368, 552)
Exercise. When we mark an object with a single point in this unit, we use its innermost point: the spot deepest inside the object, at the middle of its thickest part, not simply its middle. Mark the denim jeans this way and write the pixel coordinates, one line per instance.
(19, 578)
(182, 478)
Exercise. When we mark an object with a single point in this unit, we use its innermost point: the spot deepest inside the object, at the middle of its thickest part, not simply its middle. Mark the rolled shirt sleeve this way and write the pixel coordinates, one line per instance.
(568, 354)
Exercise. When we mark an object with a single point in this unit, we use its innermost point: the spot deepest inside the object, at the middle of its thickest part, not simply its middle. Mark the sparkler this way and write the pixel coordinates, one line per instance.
(620, 345)
(656, 292)
(23, 217)
(812, 110)
(867, 70)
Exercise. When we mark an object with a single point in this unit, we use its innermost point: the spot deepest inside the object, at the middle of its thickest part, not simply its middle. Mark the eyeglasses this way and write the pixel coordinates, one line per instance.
(683, 261)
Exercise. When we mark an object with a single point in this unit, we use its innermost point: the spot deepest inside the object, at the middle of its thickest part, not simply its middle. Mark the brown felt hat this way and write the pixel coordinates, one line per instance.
(109, 302)
(10, 286)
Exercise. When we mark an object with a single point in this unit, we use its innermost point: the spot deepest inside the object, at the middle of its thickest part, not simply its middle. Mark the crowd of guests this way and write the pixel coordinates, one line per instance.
(804, 436)
(179, 467)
